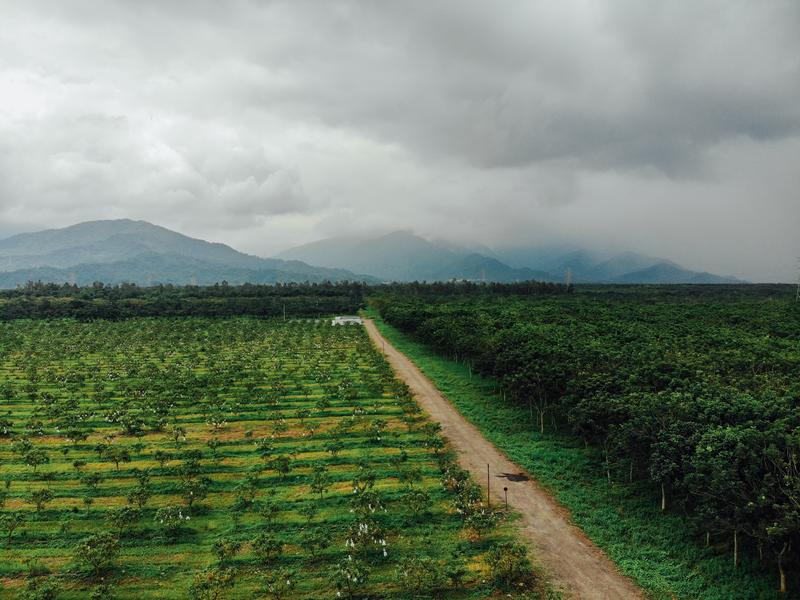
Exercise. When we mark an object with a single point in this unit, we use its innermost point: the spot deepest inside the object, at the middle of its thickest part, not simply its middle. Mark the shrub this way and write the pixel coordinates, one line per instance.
(419, 575)
(509, 566)
(349, 576)
(96, 553)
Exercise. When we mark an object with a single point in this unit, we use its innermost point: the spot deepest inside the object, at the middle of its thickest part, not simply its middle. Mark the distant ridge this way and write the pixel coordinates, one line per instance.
(139, 252)
(403, 256)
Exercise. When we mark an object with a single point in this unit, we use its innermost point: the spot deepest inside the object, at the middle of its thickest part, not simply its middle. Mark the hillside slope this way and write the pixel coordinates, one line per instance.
(140, 252)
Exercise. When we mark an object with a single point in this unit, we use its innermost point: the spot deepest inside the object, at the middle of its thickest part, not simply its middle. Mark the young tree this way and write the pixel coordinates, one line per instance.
(334, 447)
(211, 584)
(40, 498)
(266, 547)
(509, 566)
(195, 490)
(178, 435)
(409, 476)
(117, 454)
(96, 553)
(102, 592)
(225, 549)
(162, 457)
(309, 511)
(320, 480)
(36, 458)
(9, 523)
(265, 448)
(91, 480)
(349, 576)
(418, 575)
(282, 465)
(279, 584)
(269, 510)
(170, 519)
(315, 540)
(123, 518)
(41, 588)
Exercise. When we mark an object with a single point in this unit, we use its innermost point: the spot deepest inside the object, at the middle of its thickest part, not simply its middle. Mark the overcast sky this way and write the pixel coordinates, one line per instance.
(669, 128)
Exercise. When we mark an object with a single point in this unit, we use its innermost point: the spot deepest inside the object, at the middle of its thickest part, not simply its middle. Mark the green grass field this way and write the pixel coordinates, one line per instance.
(656, 550)
(236, 446)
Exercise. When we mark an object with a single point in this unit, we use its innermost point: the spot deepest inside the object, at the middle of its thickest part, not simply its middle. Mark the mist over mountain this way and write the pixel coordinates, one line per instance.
(123, 250)
(119, 251)
(404, 256)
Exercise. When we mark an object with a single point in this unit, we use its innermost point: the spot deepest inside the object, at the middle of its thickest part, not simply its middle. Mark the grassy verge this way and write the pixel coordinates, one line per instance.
(659, 551)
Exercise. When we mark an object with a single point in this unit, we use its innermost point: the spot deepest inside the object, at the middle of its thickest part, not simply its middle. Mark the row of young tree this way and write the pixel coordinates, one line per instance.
(130, 438)
(699, 396)
(38, 300)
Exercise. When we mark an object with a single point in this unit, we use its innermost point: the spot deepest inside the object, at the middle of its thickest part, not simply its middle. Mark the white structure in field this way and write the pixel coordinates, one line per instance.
(346, 320)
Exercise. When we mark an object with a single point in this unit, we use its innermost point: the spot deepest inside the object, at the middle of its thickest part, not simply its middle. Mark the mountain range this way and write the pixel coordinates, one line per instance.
(403, 256)
(139, 252)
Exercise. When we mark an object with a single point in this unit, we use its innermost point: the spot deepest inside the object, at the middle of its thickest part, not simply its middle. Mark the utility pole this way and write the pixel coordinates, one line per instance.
(488, 488)
(797, 293)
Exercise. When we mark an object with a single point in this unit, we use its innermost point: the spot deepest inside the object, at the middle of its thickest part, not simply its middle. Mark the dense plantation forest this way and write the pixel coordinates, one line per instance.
(690, 396)
(212, 458)
(38, 300)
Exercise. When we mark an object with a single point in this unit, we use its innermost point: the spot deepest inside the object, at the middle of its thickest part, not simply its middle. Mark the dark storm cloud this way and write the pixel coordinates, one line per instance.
(673, 128)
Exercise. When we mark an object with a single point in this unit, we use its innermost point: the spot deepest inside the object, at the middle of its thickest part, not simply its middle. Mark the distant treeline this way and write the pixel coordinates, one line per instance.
(471, 288)
(48, 301)
(37, 300)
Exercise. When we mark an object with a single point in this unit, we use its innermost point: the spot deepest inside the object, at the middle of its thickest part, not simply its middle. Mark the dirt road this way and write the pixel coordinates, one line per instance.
(574, 564)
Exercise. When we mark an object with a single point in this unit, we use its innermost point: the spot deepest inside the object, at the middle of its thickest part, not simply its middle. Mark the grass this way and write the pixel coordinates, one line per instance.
(301, 385)
(657, 550)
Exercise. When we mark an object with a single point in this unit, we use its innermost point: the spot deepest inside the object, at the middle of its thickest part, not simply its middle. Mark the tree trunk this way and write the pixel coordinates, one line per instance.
(541, 421)
(780, 567)
(663, 497)
(735, 548)
(708, 539)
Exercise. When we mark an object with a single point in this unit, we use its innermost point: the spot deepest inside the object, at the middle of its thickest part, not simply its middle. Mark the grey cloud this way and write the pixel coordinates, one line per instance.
(266, 124)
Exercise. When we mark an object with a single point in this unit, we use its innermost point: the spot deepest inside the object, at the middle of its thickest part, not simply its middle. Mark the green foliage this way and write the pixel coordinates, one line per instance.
(692, 392)
(96, 553)
(41, 588)
(169, 377)
(40, 498)
(279, 584)
(350, 576)
(171, 519)
(419, 575)
(211, 584)
(53, 301)
(509, 566)
(123, 518)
